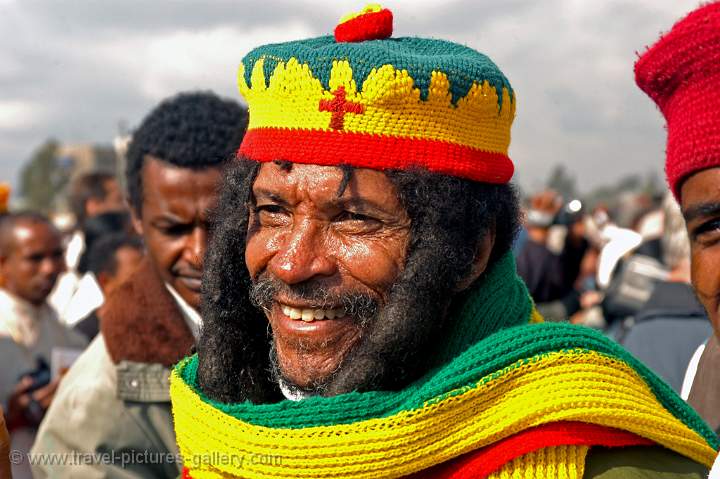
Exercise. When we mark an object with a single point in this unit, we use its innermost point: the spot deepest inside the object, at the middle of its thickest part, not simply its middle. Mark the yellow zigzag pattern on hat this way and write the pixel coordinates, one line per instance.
(391, 105)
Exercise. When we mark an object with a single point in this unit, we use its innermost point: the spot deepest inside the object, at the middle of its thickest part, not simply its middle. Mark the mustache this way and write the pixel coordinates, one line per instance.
(265, 289)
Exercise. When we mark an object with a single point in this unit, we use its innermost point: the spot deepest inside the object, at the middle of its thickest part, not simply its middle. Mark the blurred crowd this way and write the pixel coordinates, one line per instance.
(94, 316)
(625, 271)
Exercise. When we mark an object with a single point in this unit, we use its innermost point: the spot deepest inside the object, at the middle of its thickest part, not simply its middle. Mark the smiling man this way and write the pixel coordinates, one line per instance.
(681, 73)
(386, 333)
(115, 398)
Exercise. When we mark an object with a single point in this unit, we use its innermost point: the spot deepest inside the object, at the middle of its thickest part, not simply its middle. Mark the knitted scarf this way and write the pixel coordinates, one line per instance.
(508, 392)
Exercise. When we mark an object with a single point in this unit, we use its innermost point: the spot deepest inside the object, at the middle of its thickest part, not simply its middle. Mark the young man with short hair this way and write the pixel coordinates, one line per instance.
(116, 396)
(31, 259)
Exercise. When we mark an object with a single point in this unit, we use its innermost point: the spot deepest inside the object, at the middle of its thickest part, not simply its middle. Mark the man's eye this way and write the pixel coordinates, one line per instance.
(708, 232)
(272, 215)
(351, 216)
(355, 223)
(175, 230)
(270, 209)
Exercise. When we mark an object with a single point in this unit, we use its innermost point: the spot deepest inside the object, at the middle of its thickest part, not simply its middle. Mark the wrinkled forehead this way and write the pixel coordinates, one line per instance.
(293, 182)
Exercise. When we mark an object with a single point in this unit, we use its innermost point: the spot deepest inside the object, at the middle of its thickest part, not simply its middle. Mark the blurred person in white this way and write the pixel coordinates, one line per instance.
(31, 259)
(77, 294)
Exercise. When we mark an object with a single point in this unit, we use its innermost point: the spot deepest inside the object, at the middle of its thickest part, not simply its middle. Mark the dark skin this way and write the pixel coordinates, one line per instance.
(700, 203)
(174, 222)
(4, 447)
(32, 261)
(301, 231)
(21, 398)
(31, 264)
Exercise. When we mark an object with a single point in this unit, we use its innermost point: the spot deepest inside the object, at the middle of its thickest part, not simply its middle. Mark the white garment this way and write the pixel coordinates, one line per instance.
(63, 292)
(36, 328)
(68, 282)
(87, 298)
(715, 471)
(190, 315)
(618, 242)
(74, 250)
(293, 394)
(691, 371)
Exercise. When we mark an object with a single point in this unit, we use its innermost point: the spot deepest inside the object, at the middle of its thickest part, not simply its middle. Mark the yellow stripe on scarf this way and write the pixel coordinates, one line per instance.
(561, 462)
(575, 385)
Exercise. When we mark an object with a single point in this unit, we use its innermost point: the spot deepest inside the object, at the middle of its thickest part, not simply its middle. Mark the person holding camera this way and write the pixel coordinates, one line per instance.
(31, 259)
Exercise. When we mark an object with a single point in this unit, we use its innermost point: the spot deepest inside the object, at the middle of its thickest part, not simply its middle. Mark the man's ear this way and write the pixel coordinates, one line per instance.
(136, 221)
(480, 262)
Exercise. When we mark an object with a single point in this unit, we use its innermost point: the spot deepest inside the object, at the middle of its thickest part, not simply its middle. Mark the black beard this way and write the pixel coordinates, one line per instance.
(395, 337)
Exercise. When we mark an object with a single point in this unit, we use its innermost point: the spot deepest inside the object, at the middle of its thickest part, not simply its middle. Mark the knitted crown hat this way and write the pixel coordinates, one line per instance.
(364, 99)
(681, 73)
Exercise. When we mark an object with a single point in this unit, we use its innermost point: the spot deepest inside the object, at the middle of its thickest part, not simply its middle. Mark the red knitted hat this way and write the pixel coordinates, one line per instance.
(681, 73)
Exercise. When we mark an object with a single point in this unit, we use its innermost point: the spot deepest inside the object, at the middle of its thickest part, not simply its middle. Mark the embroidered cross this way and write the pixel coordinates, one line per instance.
(339, 106)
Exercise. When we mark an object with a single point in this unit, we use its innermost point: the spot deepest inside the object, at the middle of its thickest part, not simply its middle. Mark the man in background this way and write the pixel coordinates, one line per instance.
(681, 73)
(31, 259)
(92, 195)
(116, 396)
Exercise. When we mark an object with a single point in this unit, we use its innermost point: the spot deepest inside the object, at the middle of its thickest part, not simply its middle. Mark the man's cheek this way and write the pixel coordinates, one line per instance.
(373, 264)
(260, 248)
(706, 279)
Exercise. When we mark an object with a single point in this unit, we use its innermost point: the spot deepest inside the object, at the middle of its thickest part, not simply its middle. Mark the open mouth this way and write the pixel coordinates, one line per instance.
(309, 315)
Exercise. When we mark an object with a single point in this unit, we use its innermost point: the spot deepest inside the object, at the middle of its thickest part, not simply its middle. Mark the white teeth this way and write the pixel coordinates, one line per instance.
(309, 315)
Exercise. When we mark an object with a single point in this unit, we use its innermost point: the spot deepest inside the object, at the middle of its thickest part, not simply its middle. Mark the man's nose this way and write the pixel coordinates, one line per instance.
(195, 244)
(302, 255)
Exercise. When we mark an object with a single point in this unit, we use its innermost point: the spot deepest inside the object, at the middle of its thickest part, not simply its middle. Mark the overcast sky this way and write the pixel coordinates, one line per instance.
(75, 70)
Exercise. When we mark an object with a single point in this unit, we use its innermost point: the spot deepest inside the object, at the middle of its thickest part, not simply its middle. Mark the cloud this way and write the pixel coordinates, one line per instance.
(74, 70)
(18, 114)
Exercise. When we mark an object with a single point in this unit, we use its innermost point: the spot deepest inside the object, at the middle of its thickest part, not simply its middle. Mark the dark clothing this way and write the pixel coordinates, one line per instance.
(631, 286)
(549, 276)
(89, 326)
(665, 333)
(640, 462)
(705, 391)
(667, 330)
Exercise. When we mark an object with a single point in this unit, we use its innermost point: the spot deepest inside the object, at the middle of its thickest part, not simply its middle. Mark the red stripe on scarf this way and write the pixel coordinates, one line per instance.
(479, 464)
